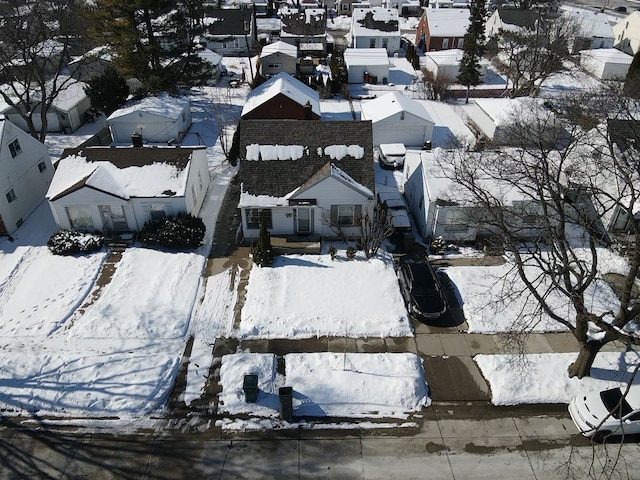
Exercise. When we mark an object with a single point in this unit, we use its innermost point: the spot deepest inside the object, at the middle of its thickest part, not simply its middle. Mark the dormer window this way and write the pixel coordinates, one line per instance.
(14, 148)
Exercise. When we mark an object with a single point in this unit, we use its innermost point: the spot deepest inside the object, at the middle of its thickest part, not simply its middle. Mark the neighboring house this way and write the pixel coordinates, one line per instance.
(606, 63)
(445, 64)
(305, 178)
(345, 7)
(92, 64)
(158, 119)
(278, 57)
(366, 64)
(305, 29)
(398, 119)
(66, 114)
(229, 31)
(627, 34)
(510, 20)
(25, 175)
(442, 28)
(376, 27)
(282, 97)
(48, 57)
(594, 30)
(112, 189)
(215, 62)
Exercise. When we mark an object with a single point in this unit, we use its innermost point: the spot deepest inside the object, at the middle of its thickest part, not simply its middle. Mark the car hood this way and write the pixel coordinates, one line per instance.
(591, 408)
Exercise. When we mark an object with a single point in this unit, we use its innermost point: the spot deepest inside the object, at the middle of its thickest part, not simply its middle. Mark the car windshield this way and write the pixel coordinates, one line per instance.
(615, 404)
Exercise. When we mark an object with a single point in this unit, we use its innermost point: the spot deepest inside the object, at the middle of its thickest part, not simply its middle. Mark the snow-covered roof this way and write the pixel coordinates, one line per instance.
(502, 109)
(590, 24)
(446, 57)
(160, 178)
(68, 97)
(375, 22)
(366, 56)
(279, 47)
(102, 52)
(447, 22)
(391, 104)
(210, 56)
(284, 84)
(163, 105)
(610, 55)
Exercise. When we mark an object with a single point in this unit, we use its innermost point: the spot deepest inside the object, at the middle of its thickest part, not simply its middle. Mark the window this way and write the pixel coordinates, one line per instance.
(80, 217)
(529, 219)
(445, 43)
(254, 215)
(157, 211)
(193, 194)
(11, 196)
(42, 167)
(372, 43)
(345, 7)
(274, 66)
(15, 149)
(345, 215)
(460, 42)
(385, 42)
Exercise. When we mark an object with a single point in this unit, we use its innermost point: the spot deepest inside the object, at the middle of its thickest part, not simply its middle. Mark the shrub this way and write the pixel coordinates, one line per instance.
(182, 231)
(351, 253)
(333, 252)
(68, 242)
(262, 252)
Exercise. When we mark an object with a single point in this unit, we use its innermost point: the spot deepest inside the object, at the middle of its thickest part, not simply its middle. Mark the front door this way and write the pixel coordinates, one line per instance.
(304, 221)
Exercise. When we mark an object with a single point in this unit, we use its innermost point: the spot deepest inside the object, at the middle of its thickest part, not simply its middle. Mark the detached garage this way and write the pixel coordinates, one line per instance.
(373, 61)
(162, 119)
(606, 63)
(398, 119)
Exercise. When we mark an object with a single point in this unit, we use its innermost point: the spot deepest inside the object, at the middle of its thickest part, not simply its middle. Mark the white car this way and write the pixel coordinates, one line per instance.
(601, 414)
(392, 155)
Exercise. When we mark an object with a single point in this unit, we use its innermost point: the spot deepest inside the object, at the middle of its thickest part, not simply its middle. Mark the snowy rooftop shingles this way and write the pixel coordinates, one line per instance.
(284, 84)
(447, 22)
(162, 106)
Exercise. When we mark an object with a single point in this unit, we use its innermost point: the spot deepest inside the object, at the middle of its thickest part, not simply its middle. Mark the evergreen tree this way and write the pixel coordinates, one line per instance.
(262, 253)
(473, 49)
(107, 91)
(632, 81)
(338, 71)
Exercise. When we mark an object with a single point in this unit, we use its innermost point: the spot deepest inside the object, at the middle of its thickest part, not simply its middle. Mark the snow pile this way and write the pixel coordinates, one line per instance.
(328, 384)
(304, 296)
(542, 378)
(338, 152)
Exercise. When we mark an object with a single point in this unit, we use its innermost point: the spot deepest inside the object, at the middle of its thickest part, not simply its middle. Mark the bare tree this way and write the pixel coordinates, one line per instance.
(225, 115)
(375, 226)
(36, 40)
(528, 57)
(434, 87)
(547, 203)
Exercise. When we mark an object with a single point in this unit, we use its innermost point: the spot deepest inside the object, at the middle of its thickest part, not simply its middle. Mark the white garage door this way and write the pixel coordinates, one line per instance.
(411, 136)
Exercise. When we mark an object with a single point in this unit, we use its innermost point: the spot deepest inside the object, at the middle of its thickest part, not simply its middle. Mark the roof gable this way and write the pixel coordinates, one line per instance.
(163, 105)
(391, 104)
(330, 170)
(279, 156)
(284, 84)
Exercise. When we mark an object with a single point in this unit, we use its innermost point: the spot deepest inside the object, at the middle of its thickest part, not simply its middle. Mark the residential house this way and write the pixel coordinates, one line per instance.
(214, 61)
(606, 63)
(367, 65)
(282, 97)
(229, 31)
(627, 33)
(442, 28)
(278, 57)
(305, 29)
(593, 30)
(46, 58)
(92, 64)
(158, 119)
(510, 20)
(66, 114)
(305, 178)
(112, 189)
(25, 175)
(445, 64)
(398, 119)
(375, 27)
(345, 7)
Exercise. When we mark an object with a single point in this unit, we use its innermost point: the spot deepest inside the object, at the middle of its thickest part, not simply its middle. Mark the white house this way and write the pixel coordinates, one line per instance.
(376, 27)
(278, 57)
(594, 30)
(215, 62)
(25, 175)
(398, 119)
(305, 179)
(371, 61)
(66, 114)
(606, 63)
(158, 119)
(113, 189)
(445, 64)
(627, 33)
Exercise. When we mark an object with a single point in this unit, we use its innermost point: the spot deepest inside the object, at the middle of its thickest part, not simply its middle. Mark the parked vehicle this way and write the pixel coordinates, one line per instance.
(621, 9)
(392, 155)
(605, 413)
(421, 290)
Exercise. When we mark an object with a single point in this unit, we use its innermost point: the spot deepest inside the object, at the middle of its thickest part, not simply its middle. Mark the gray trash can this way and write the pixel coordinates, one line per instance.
(286, 403)
(250, 387)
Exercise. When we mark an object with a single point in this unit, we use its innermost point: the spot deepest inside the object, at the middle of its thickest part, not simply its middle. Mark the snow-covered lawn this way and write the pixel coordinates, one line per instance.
(493, 300)
(303, 296)
(354, 385)
(542, 378)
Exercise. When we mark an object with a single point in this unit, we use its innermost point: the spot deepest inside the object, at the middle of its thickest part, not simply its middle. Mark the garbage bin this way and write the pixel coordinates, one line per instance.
(250, 387)
(286, 403)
